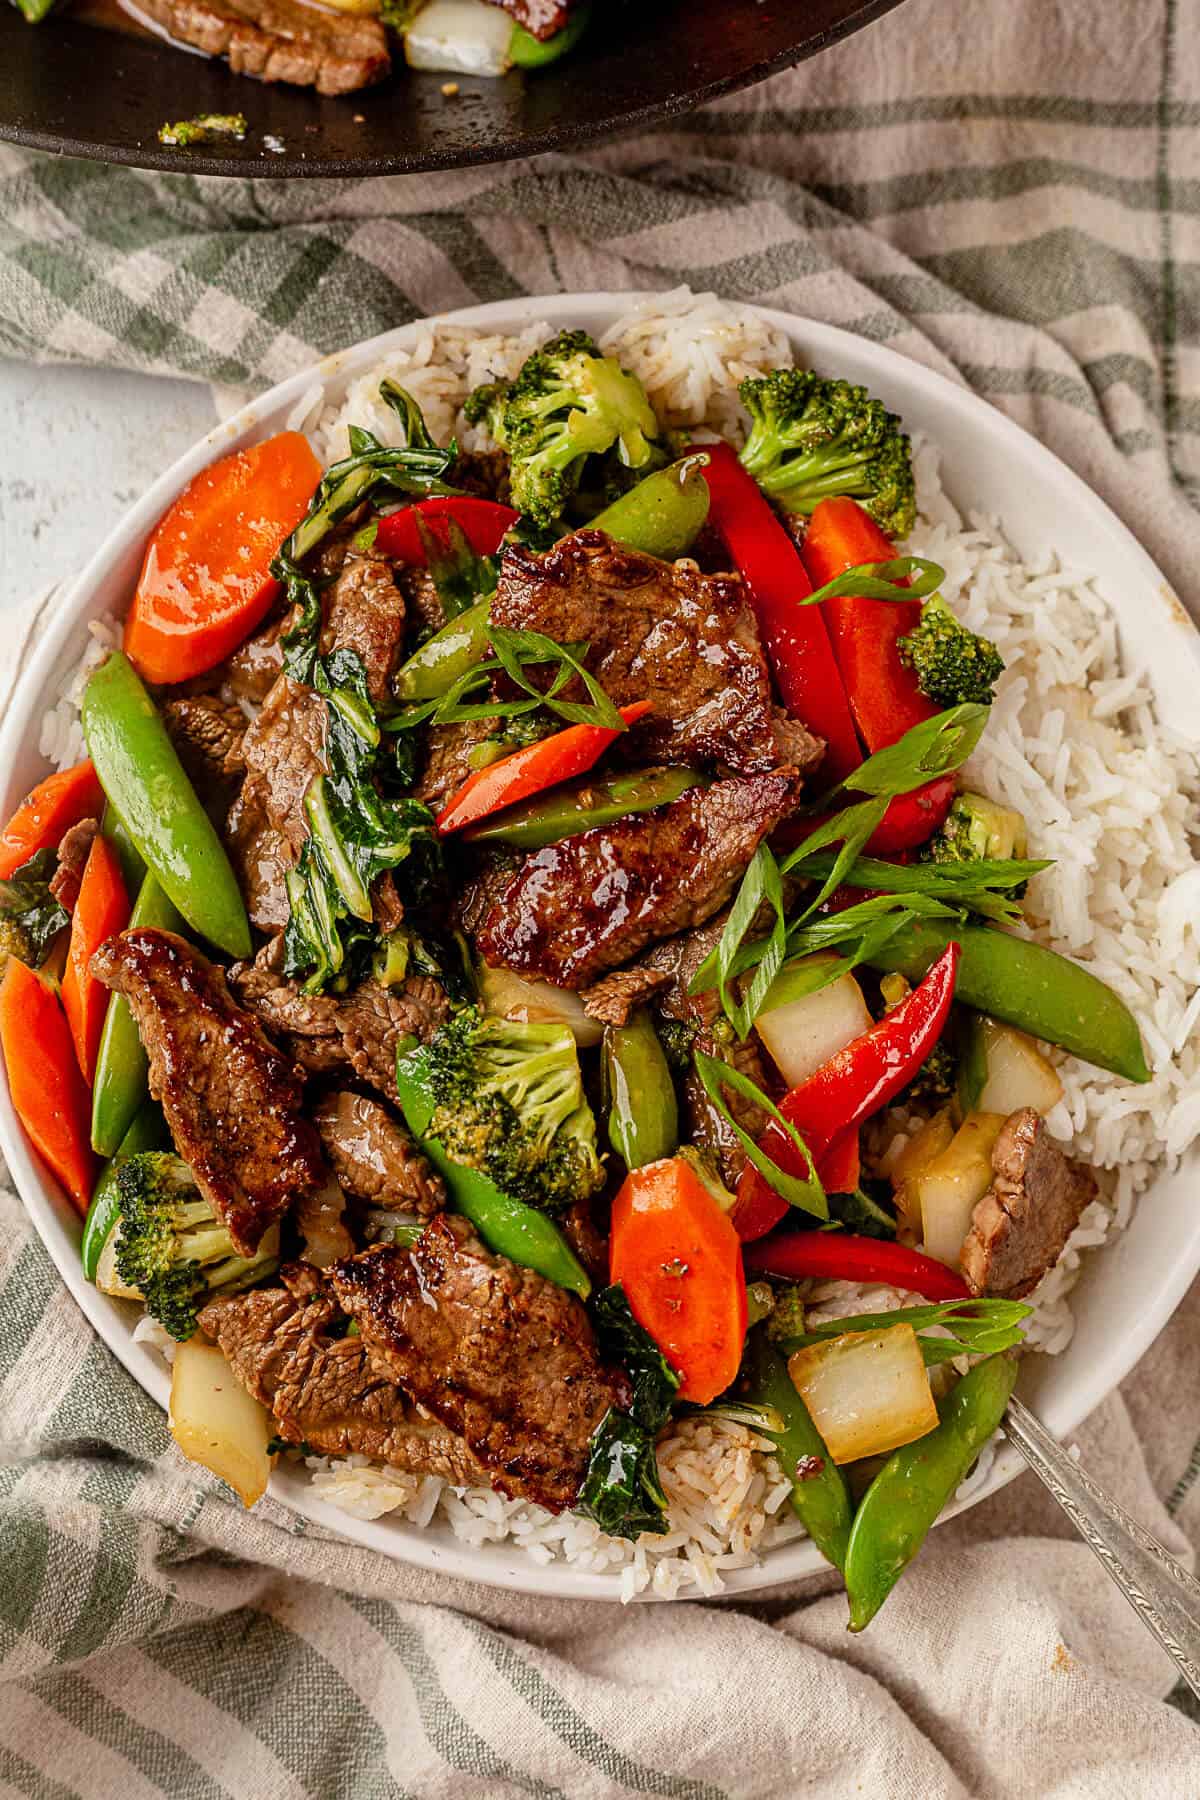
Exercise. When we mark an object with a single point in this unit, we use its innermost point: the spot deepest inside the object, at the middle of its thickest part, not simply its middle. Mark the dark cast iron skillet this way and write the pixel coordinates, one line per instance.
(101, 90)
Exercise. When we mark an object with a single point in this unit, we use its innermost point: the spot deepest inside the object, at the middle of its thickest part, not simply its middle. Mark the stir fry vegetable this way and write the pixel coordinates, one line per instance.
(144, 779)
(916, 1482)
(837, 1256)
(408, 533)
(568, 811)
(643, 1116)
(526, 772)
(101, 909)
(206, 579)
(820, 1491)
(120, 1083)
(148, 1132)
(48, 1092)
(664, 514)
(47, 813)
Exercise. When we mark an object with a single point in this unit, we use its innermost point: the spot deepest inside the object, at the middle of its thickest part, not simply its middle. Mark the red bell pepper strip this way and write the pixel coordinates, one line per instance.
(796, 641)
(483, 523)
(841, 1256)
(48, 1092)
(758, 1209)
(678, 1258)
(883, 691)
(101, 910)
(526, 772)
(860, 1079)
(47, 813)
(910, 821)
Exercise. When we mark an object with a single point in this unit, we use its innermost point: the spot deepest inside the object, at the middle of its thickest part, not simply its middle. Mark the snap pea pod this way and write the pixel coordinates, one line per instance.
(820, 1491)
(436, 666)
(643, 1113)
(158, 806)
(1025, 985)
(132, 866)
(528, 52)
(916, 1481)
(148, 1132)
(119, 1089)
(565, 812)
(507, 1226)
(663, 514)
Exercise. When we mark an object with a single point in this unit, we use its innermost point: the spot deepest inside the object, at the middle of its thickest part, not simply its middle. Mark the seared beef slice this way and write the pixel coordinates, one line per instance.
(281, 40)
(374, 1158)
(503, 1358)
(661, 632)
(592, 902)
(287, 1347)
(233, 1103)
(284, 749)
(1023, 1221)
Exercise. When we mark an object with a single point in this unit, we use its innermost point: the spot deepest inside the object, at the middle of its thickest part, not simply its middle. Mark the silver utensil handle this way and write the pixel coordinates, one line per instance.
(1164, 1596)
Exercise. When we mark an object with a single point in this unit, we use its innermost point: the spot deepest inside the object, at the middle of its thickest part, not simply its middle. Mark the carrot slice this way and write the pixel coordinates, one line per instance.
(47, 812)
(48, 1092)
(206, 581)
(101, 910)
(678, 1258)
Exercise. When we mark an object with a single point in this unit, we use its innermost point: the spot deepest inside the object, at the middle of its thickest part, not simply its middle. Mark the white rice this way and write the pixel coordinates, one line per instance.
(1072, 742)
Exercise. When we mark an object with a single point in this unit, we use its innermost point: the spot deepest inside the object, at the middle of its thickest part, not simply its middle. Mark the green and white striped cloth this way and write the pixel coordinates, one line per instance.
(1010, 192)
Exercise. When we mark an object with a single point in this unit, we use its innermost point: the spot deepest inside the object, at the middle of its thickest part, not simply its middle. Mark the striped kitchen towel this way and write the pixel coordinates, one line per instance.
(1011, 193)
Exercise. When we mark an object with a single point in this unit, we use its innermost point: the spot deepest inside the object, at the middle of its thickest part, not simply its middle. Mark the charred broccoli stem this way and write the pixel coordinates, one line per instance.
(509, 1101)
(811, 438)
(171, 1247)
(567, 403)
(954, 666)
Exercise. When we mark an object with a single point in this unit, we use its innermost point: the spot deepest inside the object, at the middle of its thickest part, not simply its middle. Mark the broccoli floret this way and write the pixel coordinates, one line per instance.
(977, 830)
(567, 403)
(172, 1248)
(953, 665)
(810, 438)
(936, 1081)
(509, 1101)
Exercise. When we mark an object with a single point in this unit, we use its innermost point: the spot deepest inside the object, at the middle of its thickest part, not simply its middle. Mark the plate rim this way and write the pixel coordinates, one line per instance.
(436, 1549)
(554, 139)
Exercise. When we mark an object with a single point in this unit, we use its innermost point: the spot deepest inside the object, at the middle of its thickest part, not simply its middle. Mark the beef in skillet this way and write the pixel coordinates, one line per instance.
(287, 1346)
(502, 1357)
(233, 1102)
(661, 632)
(592, 902)
(281, 40)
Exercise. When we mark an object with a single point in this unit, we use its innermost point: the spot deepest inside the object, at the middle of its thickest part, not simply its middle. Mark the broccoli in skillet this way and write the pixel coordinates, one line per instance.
(171, 1247)
(953, 665)
(510, 1102)
(810, 438)
(568, 403)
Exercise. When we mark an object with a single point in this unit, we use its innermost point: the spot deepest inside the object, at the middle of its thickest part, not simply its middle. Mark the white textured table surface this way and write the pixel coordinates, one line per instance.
(77, 446)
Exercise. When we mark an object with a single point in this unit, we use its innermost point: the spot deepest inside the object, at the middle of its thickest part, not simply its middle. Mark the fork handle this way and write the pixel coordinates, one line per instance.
(1164, 1596)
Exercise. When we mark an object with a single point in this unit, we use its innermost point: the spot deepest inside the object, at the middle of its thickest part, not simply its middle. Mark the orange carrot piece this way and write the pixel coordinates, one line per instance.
(101, 910)
(48, 1092)
(205, 581)
(47, 813)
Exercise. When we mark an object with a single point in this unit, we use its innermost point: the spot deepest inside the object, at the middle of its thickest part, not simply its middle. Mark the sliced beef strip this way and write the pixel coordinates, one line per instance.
(422, 601)
(661, 632)
(592, 902)
(447, 765)
(483, 472)
(255, 666)
(284, 1345)
(677, 961)
(1020, 1226)
(233, 1103)
(282, 40)
(284, 749)
(352, 1033)
(363, 611)
(208, 733)
(73, 853)
(374, 1158)
(541, 17)
(615, 996)
(502, 1357)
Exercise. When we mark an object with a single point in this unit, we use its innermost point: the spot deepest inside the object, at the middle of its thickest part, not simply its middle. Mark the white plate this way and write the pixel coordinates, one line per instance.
(1125, 1295)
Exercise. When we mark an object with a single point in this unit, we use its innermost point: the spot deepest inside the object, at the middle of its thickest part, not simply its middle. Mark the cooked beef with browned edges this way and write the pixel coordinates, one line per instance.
(1021, 1225)
(234, 1104)
(686, 642)
(373, 1156)
(284, 750)
(208, 734)
(594, 901)
(363, 611)
(287, 1346)
(73, 853)
(282, 40)
(354, 1033)
(503, 1358)
(542, 17)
